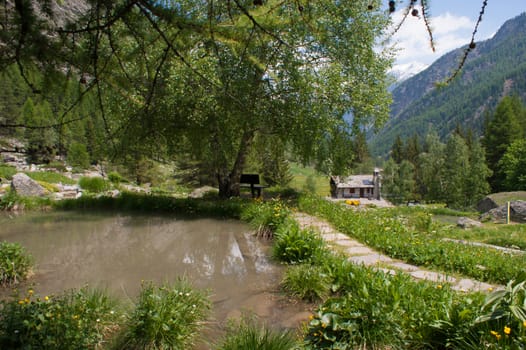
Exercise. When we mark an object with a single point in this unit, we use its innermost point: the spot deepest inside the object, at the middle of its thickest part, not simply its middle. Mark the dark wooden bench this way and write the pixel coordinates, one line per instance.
(251, 181)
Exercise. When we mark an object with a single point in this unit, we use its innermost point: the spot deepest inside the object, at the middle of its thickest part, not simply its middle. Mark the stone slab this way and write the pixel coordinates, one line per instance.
(370, 260)
(469, 285)
(363, 250)
(404, 266)
(334, 236)
(432, 276)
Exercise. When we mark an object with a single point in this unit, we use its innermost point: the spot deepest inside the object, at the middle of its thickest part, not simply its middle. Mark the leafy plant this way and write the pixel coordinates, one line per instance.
(165, 317)
(15, 263)
(74, 320)
(504, 314)
(307, 282)
(294, 245)
(266, 217)
(246, 334)
(94, 184)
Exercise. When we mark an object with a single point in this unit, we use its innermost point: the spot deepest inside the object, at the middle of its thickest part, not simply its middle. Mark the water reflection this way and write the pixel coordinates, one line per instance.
(117, 252)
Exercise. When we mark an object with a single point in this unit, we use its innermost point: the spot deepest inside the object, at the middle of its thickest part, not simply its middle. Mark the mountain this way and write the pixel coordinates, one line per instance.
(495, 68)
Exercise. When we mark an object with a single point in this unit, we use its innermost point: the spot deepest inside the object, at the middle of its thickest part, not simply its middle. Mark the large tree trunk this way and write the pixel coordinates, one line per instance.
(229, 181)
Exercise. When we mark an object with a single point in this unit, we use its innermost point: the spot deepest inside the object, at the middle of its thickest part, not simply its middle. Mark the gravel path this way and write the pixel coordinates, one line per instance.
(362, 254)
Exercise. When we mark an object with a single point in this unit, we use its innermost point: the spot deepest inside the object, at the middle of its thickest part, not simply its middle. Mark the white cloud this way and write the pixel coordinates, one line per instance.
(412, 39)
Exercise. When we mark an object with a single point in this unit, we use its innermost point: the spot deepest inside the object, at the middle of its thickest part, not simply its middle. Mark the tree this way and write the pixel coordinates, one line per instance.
(513, 166)
(397, 181)
(431, 163)
(500, 132)
(477, 181)
(456, 172)
(397, 150)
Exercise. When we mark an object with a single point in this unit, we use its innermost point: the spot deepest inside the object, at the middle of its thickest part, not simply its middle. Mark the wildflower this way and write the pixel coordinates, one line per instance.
(507, 330)
(21, 302)
(311, 317)
(496, 334)
(439, 286)
(46, 298)
(490, 289)
(30, 292)
(524, 324)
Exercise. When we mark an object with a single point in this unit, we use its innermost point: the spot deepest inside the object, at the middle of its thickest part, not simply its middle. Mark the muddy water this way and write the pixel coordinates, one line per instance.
(117, 252)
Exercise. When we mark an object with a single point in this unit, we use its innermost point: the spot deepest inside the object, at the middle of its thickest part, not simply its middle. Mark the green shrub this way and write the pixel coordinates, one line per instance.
(78, 156)
(246, 334)
(7, 172)
(503, 318)
(166, 317)
(116, 178)
(266, 217)
(15, 263)
(307, 282)
(94, 184)
(74, 320)
(294, 245)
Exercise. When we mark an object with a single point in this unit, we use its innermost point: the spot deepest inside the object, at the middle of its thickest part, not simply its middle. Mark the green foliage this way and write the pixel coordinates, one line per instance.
(310, 185)
(503, 316)
(293, 245)
(94, 184)
(7, 172)
(15, 263)
(307, 282)
(513, 166)
(78, 156)
(51, 177)
(166, 317)
(72, 320)
(246, 334)
(116, 178)
(266, 216)
(390, 234)
(398, 181)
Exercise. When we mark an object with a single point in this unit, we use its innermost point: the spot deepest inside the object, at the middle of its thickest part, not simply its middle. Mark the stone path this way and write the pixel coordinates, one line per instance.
(362, 254)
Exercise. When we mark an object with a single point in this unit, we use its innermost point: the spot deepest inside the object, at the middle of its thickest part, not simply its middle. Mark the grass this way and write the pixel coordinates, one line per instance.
(504, 197)
(303, 175)
(51, 177)
(418, 240)
(15, 263)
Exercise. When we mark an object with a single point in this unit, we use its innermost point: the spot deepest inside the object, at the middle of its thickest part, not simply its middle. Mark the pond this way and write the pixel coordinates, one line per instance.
(118, 251)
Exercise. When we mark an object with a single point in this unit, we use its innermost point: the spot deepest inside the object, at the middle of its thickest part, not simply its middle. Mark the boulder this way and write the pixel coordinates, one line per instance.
(517, 212)
(466, 223)
(486, 205)
(23, 185)
(201, 192)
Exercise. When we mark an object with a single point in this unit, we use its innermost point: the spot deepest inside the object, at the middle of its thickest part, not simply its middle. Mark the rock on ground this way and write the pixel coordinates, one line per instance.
(517, 212)
(466, 223)
(24, 186)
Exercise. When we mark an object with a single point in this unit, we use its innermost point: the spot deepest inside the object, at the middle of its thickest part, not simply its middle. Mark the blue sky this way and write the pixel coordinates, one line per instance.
(453, 22)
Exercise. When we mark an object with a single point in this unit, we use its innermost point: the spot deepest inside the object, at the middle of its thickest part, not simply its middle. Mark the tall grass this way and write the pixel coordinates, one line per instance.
(165, 317)
(247, 334)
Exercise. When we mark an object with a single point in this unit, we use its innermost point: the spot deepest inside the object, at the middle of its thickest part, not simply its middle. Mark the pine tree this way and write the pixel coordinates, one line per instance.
(477, 180)
(431, 164)
(456, 172)
(501, 131)
(513, 166)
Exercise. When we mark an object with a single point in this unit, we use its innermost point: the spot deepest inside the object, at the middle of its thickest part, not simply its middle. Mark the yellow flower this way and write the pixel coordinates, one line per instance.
(507, 330)
(30, 292)
(311, 317)
(46, 298)
(21, 302)
(496, 334)
(439, 286)
(524, 324)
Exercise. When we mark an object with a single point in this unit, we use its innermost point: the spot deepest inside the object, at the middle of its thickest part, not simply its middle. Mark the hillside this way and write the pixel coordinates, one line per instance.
(497, 67)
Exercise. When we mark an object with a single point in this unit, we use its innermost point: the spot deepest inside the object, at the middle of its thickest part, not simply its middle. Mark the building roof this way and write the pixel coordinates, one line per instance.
(354, 181)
